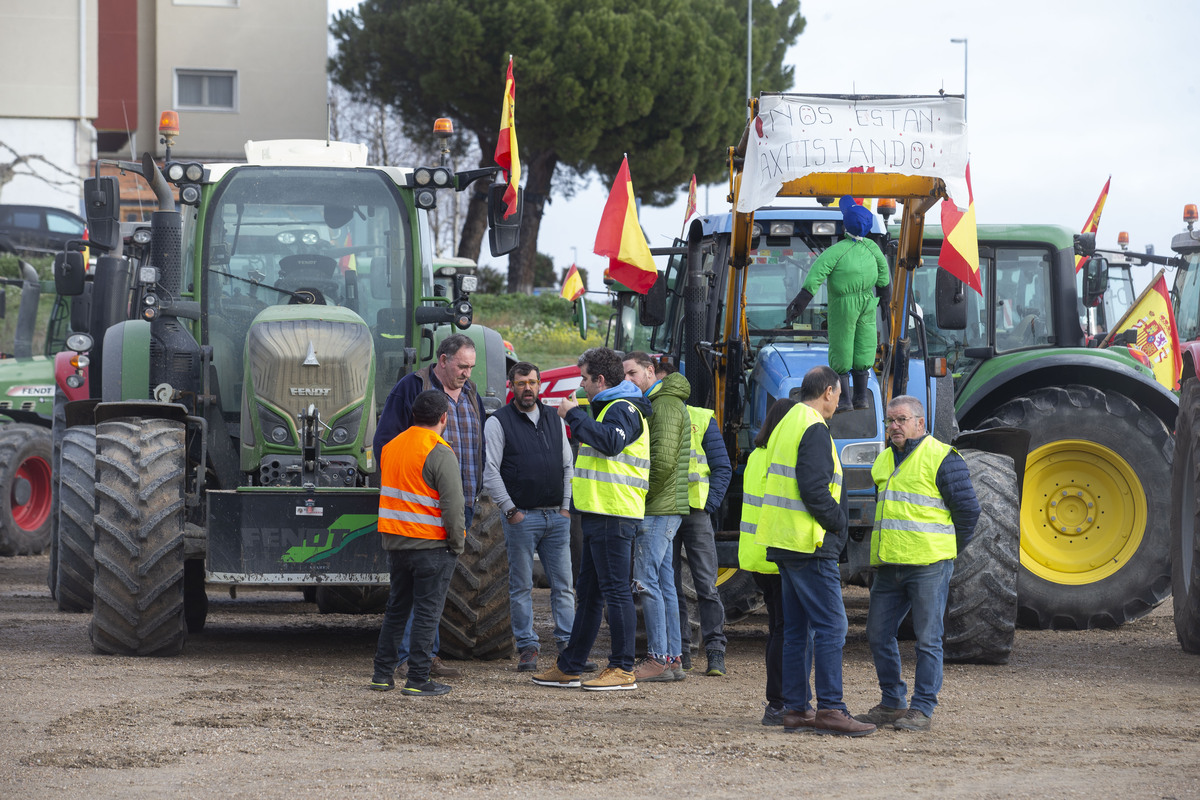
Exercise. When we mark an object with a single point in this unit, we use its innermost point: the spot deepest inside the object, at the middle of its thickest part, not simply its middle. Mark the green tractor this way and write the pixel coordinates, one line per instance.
(237, 368)
(1095, 506)
(26, 412)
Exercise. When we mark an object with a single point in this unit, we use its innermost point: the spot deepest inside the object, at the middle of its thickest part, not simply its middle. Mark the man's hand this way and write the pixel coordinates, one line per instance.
(566, 405)
(566, 512)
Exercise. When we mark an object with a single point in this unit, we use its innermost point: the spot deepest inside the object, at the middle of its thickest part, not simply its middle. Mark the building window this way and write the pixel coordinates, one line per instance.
(206, 90)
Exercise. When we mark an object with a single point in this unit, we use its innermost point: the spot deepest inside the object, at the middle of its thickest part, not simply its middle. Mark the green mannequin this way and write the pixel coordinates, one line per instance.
(858, 281)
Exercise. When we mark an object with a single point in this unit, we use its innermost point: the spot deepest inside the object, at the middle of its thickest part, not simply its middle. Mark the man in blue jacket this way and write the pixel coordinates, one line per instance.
(612, 475)
(925, 514)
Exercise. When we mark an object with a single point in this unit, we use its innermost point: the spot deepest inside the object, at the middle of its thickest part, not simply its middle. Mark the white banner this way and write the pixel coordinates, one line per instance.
(796, 135)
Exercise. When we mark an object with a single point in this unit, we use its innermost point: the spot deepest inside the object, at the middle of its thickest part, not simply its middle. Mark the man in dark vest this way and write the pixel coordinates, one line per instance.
(528, 474)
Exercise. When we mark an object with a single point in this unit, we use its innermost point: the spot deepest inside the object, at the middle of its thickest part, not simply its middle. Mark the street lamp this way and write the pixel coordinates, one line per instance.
(963, 42)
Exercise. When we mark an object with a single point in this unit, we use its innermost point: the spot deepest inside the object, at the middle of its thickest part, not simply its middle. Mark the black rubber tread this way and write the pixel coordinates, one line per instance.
(981, 612)
(476, 622)
(139, 609)
(1185, 519)
(76, 518)
(195, 599)
(1139, 437)
(351, 599)
(739, 594)
(57, 431)
(21, 442)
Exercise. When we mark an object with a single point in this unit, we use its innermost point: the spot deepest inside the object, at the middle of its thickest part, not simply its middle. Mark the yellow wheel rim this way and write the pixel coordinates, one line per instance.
(725, 573)
(1083, 512)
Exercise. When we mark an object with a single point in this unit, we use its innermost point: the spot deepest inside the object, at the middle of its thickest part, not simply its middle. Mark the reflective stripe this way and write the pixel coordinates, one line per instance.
(609, 477)
(748, 527)
(411, 497)
(915, 499)
(790, 472)
(585, 451)
(406, 516)
(696, 477)
(787, 503)
(890, 523)
(752, 500)
(700, 457)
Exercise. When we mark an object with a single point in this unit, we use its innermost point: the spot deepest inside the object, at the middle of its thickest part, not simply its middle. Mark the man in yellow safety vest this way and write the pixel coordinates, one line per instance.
(925, 513)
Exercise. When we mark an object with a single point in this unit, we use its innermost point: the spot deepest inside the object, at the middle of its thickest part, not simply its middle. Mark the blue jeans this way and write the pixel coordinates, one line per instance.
(655, 581)
(603, 582)
(812, 598)
(547, 532)
(419, 581)
(402, 647)
(894, 591)
(696, 534)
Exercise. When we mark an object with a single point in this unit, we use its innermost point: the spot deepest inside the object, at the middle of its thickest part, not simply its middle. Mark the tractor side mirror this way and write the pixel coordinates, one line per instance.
(581, 317)
(1095, 280)
(503, 234)
(652, 310)
(951, 302)
(69, 273)
(103, 200)
(1085, 244)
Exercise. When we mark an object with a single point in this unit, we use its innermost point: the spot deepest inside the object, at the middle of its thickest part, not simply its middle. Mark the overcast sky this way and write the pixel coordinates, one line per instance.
(1060, 95)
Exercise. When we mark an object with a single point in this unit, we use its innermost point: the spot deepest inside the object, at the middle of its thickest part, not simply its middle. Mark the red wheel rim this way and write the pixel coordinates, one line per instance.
(32, 515)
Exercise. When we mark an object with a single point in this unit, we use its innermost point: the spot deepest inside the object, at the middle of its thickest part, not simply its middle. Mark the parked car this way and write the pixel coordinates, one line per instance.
(37, 230)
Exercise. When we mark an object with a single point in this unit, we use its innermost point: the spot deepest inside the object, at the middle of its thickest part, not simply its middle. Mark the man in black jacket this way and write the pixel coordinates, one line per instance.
(925, 515)
(528, 473)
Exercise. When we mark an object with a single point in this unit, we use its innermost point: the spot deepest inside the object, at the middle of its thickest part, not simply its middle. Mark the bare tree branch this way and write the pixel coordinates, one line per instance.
(20, 166)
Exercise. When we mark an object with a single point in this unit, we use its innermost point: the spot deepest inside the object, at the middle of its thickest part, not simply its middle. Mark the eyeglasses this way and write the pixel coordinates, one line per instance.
(889, 421)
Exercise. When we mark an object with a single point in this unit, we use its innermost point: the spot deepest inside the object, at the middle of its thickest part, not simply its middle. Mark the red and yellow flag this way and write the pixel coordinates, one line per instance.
(960, 240)
(1093, 220)
(1157, 337)
(691, 203)
(868, 202)
(572, 288)
(620, 237)
(507, 156)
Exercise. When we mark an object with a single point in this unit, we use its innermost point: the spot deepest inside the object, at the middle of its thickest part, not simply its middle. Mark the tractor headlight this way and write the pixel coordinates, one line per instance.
(79, 342)
(279, 434)
(861, 454)
(824, 228)
(340, 435)
(274, 427)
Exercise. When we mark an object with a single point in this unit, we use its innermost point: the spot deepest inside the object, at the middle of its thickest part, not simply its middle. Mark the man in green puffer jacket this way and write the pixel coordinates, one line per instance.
(666, 503)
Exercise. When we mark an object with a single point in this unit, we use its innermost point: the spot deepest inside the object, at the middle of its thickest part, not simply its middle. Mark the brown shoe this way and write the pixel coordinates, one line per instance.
(794, 721)
(651, 669)
(837, 721)
(881, 715)
(441, 669)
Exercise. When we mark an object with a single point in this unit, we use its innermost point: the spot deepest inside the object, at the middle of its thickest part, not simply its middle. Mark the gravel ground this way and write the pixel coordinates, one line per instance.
(271, 702)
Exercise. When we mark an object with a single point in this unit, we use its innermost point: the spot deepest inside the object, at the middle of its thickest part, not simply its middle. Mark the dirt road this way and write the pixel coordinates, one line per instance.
(271, 701)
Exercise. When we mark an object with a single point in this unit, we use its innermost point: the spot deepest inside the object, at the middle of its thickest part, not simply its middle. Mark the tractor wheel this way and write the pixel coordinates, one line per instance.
(352, 599)
(476, 621)
(58, 429)
(25, 489)
(195, 599)
(981, 613)
(1185, 519)
(740, 595)
(139, 607)
(76, 512)
(1095, 510)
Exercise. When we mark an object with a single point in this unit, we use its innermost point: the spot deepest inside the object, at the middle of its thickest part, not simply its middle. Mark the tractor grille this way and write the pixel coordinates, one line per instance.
(276, 352)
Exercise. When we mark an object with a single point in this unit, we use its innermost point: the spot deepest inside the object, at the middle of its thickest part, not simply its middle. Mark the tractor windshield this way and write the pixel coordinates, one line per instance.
(286, 235)
(1185, 295)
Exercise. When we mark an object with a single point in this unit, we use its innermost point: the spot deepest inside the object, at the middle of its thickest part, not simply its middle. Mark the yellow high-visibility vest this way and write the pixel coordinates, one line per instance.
(784, 521)
(615, 486)
(912, 522)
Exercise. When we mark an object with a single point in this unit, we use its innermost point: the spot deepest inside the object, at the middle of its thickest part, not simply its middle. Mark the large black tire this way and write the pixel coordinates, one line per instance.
(58, 429)
(139, 609)
(981, 613)
(351, 599)
(740, 595)
(76, 515)
(1185, 519)
(476, 622)
(26, 486)
(1096, 508)
(195, 598)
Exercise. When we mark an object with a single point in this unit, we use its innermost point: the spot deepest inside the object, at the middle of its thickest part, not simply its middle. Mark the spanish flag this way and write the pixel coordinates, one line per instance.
(620, 237)
(1093, 220)
(1152, 317)
(572, 288)
(507, 156)
(960, 240)
(691, 201)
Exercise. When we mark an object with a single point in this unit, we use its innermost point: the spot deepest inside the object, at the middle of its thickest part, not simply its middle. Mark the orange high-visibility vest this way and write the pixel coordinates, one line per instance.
(408, 506)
